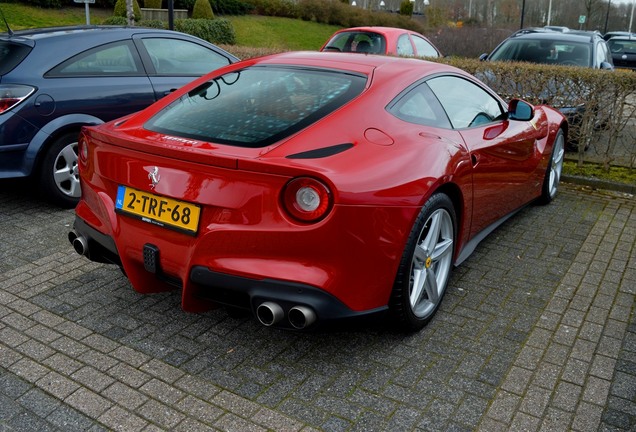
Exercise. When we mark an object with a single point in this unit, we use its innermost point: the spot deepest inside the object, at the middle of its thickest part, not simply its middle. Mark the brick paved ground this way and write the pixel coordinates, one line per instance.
(535, 333)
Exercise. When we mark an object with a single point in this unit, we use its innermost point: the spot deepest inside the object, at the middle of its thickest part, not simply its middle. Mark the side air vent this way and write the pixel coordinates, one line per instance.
(321, 152)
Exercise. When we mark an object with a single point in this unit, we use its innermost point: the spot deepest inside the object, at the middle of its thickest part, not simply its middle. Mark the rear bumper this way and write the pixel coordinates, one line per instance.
(206, 287)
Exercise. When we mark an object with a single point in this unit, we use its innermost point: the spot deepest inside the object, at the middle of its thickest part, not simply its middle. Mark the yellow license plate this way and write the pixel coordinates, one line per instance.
(162, 211)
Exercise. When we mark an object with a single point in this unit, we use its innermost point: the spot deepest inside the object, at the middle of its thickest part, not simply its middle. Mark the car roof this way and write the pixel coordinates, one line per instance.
(403, 68)
(77, 31)
(572, 36)
(377, 29)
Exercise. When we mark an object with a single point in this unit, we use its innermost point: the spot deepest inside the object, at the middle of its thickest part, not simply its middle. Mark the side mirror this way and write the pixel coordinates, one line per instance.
(520, 110)
(607, 66)
(483, 57)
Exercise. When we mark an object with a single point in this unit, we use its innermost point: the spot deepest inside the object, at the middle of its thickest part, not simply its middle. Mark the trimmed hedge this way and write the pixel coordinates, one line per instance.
(606, 99)
(217, 31)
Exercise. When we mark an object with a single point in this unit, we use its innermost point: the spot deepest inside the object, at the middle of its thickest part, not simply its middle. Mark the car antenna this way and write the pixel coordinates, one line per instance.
(6, 23)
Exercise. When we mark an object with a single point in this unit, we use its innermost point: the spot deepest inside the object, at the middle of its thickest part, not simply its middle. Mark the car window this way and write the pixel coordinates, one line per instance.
(420, 106)
(257, 106)
(11, 54)
(357, 41)
(465, 103)
(404, 46)
(118, 58)
(180, 57)
(423, 47)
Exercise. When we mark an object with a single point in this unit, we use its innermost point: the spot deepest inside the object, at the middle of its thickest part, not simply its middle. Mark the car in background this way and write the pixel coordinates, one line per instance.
(623, 49)
(53, 81)
(381, 40)
(607, 36)
(564, 47)
(313, 187)
(572, 47)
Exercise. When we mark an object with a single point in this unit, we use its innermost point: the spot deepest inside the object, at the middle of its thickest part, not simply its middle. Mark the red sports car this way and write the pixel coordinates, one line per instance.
(313, 187)
(381, 40)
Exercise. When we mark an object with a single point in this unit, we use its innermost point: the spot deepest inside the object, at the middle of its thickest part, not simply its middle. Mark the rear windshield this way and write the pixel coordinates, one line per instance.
(545, 51)
(257, 106)
(11, 54)
(357, 41)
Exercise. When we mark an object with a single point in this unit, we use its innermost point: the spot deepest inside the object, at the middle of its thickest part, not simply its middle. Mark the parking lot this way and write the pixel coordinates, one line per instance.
(536, 333)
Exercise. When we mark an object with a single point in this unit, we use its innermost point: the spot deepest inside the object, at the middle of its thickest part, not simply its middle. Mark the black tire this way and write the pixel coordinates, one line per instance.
(553, 172)
(429, 254)
(59, 177)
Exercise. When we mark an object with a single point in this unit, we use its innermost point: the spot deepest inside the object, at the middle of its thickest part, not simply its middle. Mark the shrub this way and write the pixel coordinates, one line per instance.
(158, 24)
(231, 7)
(406, 8)
(120, 9)
(217, 31)
(115, 20)
(184, 4)
(202, 10)
(279, 8)
(152, 4)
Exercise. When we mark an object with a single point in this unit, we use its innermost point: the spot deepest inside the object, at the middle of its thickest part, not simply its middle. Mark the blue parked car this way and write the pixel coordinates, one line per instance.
(53, 81)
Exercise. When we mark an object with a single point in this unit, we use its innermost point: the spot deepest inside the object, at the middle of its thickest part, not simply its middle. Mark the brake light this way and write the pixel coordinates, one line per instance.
(82, 148)
(307, 199)
(12, 94)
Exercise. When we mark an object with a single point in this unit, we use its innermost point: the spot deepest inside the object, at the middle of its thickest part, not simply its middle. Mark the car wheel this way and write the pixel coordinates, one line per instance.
(426, 265)
(59, 177)
(553, 173)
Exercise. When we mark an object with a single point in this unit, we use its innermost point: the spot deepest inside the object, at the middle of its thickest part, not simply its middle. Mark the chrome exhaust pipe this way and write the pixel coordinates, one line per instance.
(79, 243)
(269, 313)
(301, 317)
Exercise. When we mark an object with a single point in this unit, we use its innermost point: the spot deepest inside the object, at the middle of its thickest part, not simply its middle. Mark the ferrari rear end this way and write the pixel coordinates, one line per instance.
(189, 195)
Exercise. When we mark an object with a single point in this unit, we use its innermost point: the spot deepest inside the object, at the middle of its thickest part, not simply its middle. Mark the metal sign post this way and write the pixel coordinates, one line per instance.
(86, 2)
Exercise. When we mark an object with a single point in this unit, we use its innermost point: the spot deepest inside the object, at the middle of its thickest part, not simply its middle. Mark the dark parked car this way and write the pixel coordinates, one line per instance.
(53, 81)
(564, 47)
(623, 49)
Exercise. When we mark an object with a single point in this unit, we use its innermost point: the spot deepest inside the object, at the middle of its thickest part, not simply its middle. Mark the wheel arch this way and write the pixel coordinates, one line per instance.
(51, 132)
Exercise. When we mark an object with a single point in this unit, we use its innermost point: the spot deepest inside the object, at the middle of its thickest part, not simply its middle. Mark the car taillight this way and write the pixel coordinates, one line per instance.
(82, 149)
(12, 94)
(307, 199)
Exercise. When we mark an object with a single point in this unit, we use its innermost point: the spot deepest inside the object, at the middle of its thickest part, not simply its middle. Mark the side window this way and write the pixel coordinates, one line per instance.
(423, 47)
(420, 106)
(404, 46)
(466, 103)
(180, 57)
(114, 59)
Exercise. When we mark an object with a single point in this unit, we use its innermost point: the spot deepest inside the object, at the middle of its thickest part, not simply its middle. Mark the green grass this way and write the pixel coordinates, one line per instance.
(274, 33)
(21, 17)
(280, 33)
(616, 174)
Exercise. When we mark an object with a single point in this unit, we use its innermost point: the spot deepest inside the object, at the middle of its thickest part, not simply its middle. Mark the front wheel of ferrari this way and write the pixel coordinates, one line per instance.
(425, 266)
(555, 167)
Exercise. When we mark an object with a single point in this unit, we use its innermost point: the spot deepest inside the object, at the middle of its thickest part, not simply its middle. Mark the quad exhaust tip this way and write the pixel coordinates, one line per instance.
(301, 317)
(79, 243)
(269, 313)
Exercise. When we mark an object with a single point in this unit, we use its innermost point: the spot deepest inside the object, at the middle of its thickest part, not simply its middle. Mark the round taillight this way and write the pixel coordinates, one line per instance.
(307, 199)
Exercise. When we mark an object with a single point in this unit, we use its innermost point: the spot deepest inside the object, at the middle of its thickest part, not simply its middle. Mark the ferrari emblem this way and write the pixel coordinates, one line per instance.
(154, 177)
(428, 262)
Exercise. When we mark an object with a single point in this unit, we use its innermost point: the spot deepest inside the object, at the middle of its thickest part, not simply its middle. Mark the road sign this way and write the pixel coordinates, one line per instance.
(582, 19)
(84, 1)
